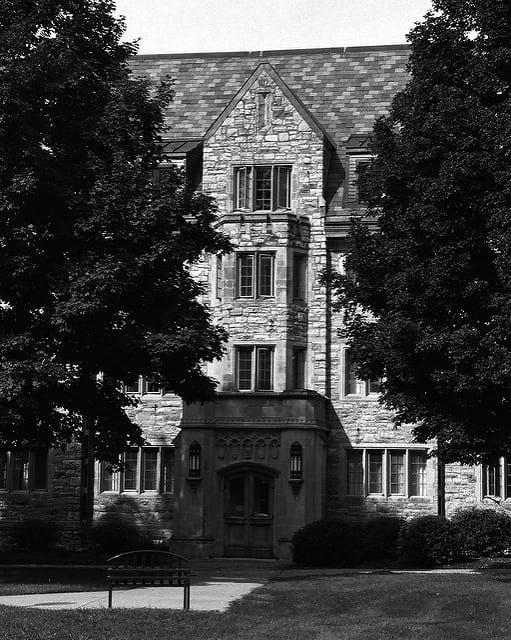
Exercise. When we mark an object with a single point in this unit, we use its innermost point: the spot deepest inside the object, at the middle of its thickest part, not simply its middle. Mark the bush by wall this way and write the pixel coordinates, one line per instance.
(381, 537)
(114, 534)
(34, 534)
(429, 540)
(484, 533)
(341, 543)
(333, 543)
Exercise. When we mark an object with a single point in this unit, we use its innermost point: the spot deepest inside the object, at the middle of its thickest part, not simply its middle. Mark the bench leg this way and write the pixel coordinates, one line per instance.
(186, 605)
(110, 598)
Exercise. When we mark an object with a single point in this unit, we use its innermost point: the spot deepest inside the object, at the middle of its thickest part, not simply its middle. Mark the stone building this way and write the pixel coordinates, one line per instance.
(292, 436)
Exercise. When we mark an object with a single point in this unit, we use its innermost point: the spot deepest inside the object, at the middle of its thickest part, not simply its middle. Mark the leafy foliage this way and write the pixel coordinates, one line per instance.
(431, 306)
(35, 534)
(95, 254)
(339, 543)
(429, 540)
(483, 533)
(114, 533)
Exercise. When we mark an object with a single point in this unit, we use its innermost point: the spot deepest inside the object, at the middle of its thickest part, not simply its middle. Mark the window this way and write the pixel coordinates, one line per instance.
(262, 188)
(254, 368)
(298, 370)
(143, 385)
(299, 276)
(496, 479)
(149, 469)
(219, 277)
(353, 386)
(24, 470)
(386, 472)
(264, 101)
(256, 275)
(355, 165)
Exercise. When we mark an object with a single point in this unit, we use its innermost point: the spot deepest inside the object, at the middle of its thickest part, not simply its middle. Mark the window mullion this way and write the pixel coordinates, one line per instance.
(385, 473)
(407, 473)
(365, 478)
(253, 368)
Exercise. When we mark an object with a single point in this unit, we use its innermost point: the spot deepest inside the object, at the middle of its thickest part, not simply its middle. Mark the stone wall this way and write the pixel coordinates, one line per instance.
(59, 504)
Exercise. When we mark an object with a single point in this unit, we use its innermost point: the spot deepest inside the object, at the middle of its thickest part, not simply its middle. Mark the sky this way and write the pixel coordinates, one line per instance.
(193, 26)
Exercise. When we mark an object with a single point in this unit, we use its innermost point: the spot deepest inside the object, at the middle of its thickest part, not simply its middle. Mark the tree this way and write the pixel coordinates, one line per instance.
(95, 254)
(430, 307)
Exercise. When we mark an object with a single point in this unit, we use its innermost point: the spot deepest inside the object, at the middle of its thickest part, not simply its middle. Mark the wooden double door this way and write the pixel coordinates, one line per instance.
(248, 514)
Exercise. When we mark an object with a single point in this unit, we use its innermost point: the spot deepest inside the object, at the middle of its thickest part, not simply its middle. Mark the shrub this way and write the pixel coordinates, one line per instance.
(381, 537)
(334, 543)
(484, 533)
(115, 534)
(429, 540)
(35, 534)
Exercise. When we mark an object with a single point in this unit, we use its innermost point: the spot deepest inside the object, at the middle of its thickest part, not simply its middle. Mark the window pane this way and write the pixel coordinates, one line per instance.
(299, 272)
(397, 473)
(492, 477)
(282, 187)
(264, 369)
(151, 386)
(418, 462)
(355, 473)
(375, 464)
(219, 277)
(168, 470)
(40, 470)
(150, 461)
(4, 465)
(298, 369)
(109, 481)
(508, 479)
(245, 369)
(352, 385)
(20, 471)
(134, 387)
(242, 185)
(236, 488)
(263, 188)
(131, 470)
(265, 275)
(246, 276)
(375, 386)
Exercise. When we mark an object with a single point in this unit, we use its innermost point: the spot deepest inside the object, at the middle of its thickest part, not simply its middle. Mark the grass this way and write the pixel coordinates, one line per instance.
(347, 606)
(15, 581)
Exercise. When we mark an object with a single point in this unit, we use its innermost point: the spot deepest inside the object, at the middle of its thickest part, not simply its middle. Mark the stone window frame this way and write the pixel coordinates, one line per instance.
(368, 389)
(245, 190)
(35, 472)
(386, 478)
(254, 366)
(256, 274)
(164, 481)
(142, 385)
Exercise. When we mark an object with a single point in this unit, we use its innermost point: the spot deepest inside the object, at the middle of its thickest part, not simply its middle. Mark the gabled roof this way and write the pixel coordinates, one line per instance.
(344, 89)
(265, 67)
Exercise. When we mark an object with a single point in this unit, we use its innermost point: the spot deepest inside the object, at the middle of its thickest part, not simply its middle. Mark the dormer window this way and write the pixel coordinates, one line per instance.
(262, 187)
(358, 158)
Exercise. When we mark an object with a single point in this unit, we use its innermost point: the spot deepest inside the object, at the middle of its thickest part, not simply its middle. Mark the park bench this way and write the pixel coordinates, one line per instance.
(149, 568)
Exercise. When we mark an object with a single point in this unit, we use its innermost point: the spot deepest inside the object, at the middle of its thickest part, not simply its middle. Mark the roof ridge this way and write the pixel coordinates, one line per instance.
(272, 52)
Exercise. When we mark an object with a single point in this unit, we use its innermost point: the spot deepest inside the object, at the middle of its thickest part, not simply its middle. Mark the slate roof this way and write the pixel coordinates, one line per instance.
(345, 89)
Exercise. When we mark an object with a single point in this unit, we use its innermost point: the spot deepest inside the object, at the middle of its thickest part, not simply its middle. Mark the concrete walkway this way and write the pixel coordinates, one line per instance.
(215, 584)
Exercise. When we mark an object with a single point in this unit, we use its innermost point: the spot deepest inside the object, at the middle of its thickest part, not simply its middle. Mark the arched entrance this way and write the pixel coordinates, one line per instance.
(248, 512)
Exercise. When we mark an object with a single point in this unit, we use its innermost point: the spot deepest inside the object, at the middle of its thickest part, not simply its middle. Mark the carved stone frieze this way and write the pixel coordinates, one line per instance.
(255, 446)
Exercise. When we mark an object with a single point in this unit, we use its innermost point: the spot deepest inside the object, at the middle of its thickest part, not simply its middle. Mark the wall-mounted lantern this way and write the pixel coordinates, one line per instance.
(194, 461)
(296, 465)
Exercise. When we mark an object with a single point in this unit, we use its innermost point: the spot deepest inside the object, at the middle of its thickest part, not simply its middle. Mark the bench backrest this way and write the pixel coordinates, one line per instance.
(149, 559)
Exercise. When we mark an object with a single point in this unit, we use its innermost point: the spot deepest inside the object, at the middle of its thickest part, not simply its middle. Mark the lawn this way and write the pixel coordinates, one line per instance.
(347, 606)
